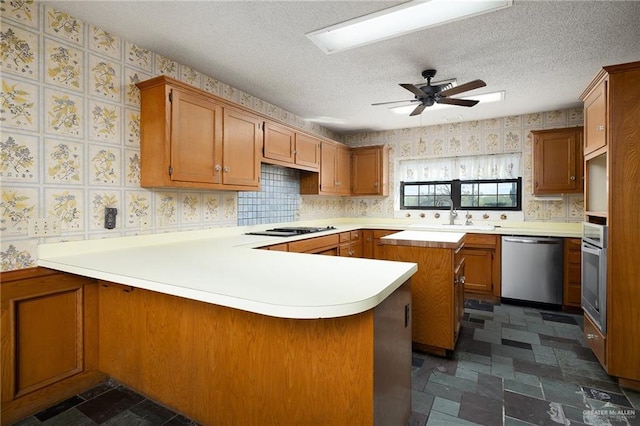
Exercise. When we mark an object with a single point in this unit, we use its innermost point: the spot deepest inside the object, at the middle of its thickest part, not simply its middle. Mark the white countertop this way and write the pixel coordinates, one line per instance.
(429, 239)
(222, 266)
(227, 271)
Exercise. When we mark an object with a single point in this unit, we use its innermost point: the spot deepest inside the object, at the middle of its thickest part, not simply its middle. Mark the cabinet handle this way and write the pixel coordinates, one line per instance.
(600, 127)
(227, 169)
(295, 152)
(591, 336)
(462, 279)
(572, 178)
(218, 168)
(375, 184)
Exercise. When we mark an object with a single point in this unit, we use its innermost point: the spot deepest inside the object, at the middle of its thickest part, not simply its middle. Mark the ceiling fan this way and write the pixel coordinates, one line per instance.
(438, 93)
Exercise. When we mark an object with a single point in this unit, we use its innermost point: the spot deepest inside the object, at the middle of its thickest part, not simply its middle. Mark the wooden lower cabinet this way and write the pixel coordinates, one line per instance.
(371, 247)
(350, 244)
(482, 266)
(437, 295)
(220, 365)
(572, 277)
(49, 339)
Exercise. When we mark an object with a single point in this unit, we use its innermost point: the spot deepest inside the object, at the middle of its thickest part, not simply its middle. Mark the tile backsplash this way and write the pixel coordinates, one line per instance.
(277, 201)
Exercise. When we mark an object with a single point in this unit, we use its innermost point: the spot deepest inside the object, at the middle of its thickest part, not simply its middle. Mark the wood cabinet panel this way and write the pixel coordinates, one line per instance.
(315, 245)
(595, 118)
(557, 161)
(49, 339)
(190, 138)
(482, 253)
(596, 340)
(614, 166)
(307, 152)
(479, 270)
(370, 171)
(278, 142)
(196, 127)
(343, 170)
(241, 149)
(572, 279)
(236, 367)
(433, 296)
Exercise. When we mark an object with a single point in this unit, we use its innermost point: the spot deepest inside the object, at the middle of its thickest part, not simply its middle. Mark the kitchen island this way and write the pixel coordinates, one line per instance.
(437, 291)
(231, 335)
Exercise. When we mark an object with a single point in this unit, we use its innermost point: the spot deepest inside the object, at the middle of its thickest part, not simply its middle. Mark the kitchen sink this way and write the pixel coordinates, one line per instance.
(447, 227)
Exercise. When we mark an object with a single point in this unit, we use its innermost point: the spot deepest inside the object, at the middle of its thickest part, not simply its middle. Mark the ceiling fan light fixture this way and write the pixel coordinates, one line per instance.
(484, 98)
(398, 20)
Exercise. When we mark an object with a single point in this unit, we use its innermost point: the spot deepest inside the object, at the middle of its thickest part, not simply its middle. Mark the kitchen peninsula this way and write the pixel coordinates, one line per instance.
(227, 334)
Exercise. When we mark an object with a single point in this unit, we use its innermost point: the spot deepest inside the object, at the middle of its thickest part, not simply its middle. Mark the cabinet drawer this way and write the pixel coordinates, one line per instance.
(573, 244)
(596, 341)
(345, 237)
(355, 235)
(480, 240)
(312, 244)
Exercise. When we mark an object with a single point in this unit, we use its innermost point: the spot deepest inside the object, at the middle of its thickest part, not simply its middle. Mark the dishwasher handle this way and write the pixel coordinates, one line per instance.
(524, 240)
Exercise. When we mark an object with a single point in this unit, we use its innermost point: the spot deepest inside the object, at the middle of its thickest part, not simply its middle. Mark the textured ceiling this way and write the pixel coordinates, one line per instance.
(542, 53)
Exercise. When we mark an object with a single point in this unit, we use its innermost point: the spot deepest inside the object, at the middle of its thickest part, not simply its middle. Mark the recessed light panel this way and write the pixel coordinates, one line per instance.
(405, 18)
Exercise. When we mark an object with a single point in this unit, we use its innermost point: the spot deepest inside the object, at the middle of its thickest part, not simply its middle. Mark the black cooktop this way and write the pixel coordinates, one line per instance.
(291, 231)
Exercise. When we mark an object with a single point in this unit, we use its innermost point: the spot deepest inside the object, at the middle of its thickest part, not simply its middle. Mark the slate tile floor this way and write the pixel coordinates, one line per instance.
(512, 366)
(517, 365)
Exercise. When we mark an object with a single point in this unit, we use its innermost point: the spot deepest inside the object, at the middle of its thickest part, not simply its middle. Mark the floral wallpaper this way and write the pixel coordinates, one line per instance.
(500, 135)
(70, 116)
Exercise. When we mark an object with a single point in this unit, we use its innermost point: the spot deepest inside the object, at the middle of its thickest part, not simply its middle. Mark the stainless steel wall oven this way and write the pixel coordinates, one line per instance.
(594, 273)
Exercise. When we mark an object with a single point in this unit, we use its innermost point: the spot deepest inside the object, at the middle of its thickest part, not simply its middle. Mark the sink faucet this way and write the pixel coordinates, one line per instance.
(452, 212)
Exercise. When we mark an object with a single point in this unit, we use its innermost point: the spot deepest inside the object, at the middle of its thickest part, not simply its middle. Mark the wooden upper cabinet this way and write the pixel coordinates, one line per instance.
(196, 127)
(286, 147)
(334, 175)
(241, 150)
(307, 152)
(595, 118)
(557, 161)
(278, 143)
(370, 170)
(190, 138)
(343, 170)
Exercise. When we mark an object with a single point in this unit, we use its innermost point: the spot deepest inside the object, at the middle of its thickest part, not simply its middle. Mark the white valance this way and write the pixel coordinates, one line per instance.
(499, 166)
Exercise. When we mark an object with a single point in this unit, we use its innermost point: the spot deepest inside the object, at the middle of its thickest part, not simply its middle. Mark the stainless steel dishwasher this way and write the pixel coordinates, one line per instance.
(532, 269)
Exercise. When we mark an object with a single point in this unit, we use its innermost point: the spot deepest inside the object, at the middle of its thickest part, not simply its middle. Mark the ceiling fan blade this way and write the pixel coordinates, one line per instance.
(395, 102)
(413, 89)
(418, 110)
(459, 102)
(475, 84)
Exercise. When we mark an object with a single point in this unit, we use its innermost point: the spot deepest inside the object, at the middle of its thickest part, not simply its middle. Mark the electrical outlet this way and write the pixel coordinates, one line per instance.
(44, 227)
(145, 223)
(110, 217)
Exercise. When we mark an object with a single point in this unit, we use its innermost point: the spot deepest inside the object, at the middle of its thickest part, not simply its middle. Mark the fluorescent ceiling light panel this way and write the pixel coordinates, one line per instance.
(398, 20)
(484, 98)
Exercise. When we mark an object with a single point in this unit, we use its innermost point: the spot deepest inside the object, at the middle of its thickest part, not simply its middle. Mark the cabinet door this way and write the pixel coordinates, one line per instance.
(49, 339)
(557, 161)
(343, 170)
(459, 283)
(595, 118)
(196, 136)
(307, 151)
(366, 171)
(278, 143)
(478, 270)
(328, 168)
(241, 149)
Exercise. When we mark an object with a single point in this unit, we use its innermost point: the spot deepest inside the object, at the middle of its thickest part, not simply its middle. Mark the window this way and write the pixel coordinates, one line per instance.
(485, 194)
